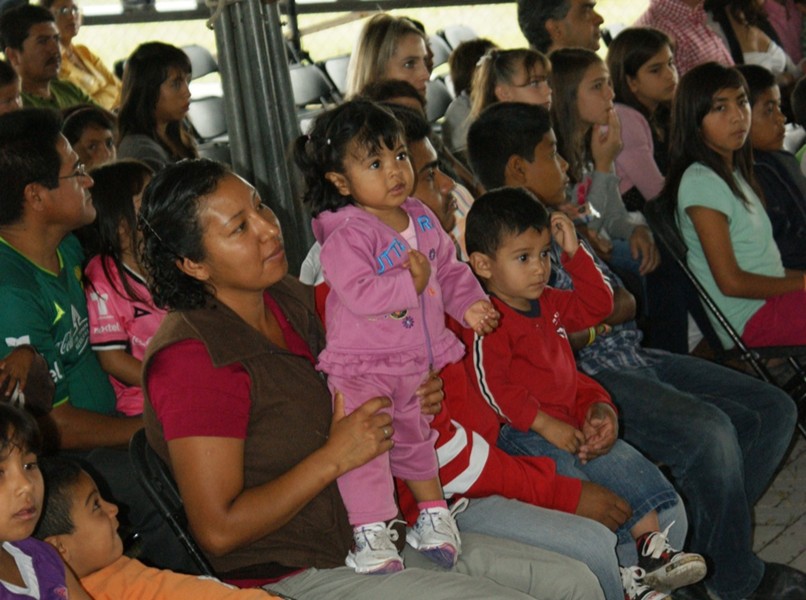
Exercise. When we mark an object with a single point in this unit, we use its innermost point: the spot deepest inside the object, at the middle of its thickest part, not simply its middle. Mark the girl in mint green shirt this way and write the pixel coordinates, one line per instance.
(713, 195)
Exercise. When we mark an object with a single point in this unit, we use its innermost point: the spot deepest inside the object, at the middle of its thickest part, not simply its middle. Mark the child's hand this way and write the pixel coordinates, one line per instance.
(602, 246)
(14, 369)
(600, 429)
(562, 229)
(643, 246)
(482, 317)
(562, 435)
(420, 269)
(606, 143)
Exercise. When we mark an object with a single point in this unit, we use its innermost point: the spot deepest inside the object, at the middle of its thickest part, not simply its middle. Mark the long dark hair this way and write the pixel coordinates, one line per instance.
(323, 150)
(116, 185)
(569, 66)
(146, 70)
(626, 54)
(169, 222)
(687, 145)
(19, 430)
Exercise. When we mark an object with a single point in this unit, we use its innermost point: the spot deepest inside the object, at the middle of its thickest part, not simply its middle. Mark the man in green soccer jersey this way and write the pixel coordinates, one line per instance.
(45, 196)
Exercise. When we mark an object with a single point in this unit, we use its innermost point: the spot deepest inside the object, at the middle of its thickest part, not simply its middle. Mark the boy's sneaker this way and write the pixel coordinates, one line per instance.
(435, 534)
(635, 588)
(666, 568)
(374, 551)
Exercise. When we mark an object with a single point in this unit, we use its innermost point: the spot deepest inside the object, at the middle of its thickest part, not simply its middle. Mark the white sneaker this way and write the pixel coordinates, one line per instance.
(375, 551)
(632, 579)
(435, 534)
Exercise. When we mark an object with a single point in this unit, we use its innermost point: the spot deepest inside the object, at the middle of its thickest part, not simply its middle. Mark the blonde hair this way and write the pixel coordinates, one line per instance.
(501, 66)
(376, 45)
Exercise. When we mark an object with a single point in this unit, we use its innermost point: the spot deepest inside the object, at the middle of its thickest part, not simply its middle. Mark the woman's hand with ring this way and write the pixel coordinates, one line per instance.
(354, 438)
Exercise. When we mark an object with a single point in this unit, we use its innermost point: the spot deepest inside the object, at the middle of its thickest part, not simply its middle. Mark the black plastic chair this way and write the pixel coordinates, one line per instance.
(159, 485)
(667, 234)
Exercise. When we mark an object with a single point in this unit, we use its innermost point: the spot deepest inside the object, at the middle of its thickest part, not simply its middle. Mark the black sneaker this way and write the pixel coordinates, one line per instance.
(666, 568)
(780, 582)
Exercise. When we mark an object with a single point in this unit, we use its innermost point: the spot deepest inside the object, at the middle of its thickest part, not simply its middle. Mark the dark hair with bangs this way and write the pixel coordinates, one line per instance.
(80, 117)
(499, 213)
(116, 185)
(368, 125)
(626, 54)
(502, 131)
(759, 79)
(169, 222)
(18, 429)
(146, 70)
(687, 145)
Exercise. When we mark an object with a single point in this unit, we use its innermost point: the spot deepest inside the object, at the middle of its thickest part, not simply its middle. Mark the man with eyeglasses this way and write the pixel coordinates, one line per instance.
(46, 196)
(31, 41)
(549, 25)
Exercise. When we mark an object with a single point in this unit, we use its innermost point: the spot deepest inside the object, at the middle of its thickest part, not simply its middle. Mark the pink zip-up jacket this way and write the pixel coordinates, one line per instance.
(376, 322)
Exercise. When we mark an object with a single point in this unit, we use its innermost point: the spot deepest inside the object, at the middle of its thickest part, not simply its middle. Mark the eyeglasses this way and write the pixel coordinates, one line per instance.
(68, 10)
(534, 82)
(81, 171)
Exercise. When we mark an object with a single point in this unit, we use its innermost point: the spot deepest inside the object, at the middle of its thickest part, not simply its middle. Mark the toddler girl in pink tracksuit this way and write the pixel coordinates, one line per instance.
(393, 274)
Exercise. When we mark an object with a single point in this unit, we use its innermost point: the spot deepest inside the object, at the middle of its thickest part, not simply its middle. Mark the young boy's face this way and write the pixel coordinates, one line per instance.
(95, 146)
(545, 176)
(10, 98)
(95, 542)
(21, 493)
(767, 128)
(520, 269)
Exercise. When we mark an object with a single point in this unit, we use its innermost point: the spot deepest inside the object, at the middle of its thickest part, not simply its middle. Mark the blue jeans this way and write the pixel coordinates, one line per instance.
(722, 434)
(583, 539)
(623, 470)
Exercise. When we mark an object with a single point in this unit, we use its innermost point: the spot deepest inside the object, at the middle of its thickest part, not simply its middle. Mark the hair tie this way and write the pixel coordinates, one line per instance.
(144, 224)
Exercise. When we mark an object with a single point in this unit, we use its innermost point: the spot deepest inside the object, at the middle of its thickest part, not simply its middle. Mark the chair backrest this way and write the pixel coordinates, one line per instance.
(440, 49)
(667, 234)
(201, 61)
(336, 69)
(311, 86)
(437, 99)
(208, 118)
(456, 34)
(159, 485)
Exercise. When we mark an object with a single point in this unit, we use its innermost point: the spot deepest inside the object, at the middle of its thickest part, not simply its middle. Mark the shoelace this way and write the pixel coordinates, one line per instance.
(459, 506)
(657, 544)
(373, 533)
(631, 579)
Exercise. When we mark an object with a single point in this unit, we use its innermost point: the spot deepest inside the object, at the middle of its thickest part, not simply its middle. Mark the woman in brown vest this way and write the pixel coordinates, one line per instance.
(235, 405)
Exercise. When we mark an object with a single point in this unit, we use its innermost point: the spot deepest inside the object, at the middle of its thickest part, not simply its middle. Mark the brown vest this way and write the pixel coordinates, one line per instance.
(289, 418)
